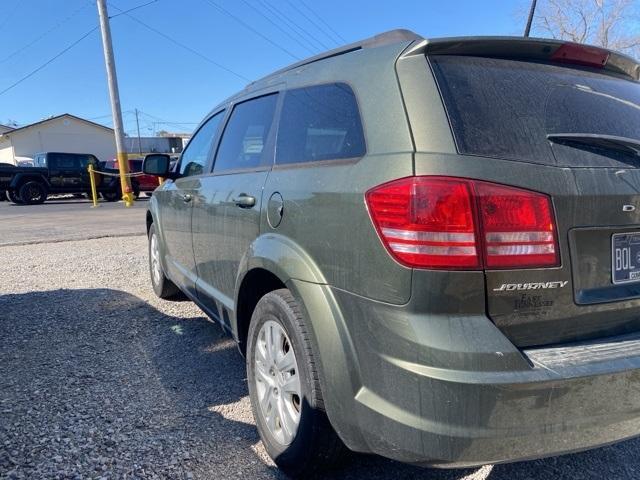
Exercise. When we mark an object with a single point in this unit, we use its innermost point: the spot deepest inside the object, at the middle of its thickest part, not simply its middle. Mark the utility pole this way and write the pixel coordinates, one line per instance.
(532, 12)
(123, 159)
(139, 139)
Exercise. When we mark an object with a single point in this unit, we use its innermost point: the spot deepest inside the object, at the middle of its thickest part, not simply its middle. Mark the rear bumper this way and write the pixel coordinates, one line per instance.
(502, 417)
(452, 391)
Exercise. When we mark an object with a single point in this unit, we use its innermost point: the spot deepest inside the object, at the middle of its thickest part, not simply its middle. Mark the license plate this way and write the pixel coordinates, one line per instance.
(625, 257)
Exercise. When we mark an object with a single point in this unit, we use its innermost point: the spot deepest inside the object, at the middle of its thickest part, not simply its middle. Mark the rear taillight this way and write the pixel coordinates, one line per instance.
(456, 223)
(517, 226)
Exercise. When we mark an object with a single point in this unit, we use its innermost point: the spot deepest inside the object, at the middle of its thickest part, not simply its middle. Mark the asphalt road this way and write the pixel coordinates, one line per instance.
(57, 220)
(100, 379)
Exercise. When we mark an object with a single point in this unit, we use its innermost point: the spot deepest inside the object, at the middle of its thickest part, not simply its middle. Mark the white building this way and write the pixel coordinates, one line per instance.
(64, 133)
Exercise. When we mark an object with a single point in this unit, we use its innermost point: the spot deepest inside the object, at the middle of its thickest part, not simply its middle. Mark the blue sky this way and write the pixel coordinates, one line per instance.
(170, 84)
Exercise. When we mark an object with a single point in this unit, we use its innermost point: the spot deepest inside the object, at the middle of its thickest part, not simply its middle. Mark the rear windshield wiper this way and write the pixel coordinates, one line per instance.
(608, 142)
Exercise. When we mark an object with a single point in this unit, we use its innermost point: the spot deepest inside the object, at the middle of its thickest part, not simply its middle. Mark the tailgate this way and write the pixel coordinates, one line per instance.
(571, 133)
(582, 299)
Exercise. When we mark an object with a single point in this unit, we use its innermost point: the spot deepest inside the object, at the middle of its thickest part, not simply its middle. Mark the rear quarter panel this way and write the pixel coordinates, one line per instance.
(324, 204)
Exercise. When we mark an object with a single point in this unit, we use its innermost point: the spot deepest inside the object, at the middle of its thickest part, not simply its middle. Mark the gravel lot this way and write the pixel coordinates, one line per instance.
(99, 379)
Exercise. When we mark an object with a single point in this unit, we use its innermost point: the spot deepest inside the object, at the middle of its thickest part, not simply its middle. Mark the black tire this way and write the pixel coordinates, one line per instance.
(33, 193)
(162, 286)
(315, 447)
(3, 196)
(112, 196)
(136, 190)
(13, 197)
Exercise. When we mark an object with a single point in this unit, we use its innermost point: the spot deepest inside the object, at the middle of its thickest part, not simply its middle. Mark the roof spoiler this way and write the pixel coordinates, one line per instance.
(531, 49)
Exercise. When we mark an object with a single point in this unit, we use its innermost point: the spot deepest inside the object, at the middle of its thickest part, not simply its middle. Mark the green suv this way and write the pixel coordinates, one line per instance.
(426, 249)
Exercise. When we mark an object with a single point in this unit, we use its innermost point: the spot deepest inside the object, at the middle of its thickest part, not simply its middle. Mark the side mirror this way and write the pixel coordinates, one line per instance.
(158, 164)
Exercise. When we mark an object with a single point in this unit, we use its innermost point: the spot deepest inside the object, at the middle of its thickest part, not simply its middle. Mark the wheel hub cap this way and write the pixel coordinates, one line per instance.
(155, 260)
(277, 382)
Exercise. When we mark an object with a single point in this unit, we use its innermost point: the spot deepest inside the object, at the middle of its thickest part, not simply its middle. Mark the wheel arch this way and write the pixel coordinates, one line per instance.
(21, 178)
(270, 263)
(275, 262)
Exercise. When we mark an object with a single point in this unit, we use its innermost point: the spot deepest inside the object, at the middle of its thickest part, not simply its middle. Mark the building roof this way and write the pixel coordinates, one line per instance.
(51, 119)
(5, 128)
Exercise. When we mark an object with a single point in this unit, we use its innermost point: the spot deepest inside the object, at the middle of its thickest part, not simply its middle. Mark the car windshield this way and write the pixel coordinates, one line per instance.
(507, 109)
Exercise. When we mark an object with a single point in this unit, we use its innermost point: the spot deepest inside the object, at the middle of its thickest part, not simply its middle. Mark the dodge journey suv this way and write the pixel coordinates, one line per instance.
(425, 249)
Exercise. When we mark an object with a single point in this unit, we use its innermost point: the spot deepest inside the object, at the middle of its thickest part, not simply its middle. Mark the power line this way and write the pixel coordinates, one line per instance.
(10, 14)
(249, 27)
(107, 115)
(181, 45)
(132, 9)
(285, 21)
(41, 36)
(62, 52)
(166, 122)
(315, 14)
(312, 21)
(262, 14)
(293, 25)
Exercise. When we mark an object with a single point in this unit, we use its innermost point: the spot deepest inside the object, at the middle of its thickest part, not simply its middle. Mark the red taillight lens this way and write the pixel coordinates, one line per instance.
(518, 227)
(426, 221)
(455, 223)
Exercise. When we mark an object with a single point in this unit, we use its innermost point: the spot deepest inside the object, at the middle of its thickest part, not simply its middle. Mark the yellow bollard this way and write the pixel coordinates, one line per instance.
(125, 184)
(94, 193)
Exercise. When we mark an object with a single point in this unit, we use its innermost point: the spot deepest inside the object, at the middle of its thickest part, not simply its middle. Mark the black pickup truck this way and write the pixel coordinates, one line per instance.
(56, 173)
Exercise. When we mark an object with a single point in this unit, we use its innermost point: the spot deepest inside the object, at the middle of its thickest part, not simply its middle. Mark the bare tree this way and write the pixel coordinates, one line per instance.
(613, 24)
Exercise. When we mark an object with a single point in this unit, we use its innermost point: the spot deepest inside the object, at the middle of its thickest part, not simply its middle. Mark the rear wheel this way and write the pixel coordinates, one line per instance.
(33, 193)
(13, 196)
(285, 391)
(162, 286)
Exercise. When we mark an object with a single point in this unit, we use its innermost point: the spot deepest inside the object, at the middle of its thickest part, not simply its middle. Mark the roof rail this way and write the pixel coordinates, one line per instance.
(385, 38)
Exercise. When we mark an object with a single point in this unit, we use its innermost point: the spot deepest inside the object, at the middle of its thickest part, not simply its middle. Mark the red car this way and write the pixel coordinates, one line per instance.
(141, 183)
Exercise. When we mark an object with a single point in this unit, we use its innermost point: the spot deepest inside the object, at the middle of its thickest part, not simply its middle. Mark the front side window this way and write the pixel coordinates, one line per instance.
(244, 140)
(85, 160)
(319, 123)
(195, 157)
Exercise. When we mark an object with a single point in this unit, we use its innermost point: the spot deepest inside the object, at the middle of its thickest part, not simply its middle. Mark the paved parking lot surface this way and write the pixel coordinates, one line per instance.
(100, 379)
(58, 220)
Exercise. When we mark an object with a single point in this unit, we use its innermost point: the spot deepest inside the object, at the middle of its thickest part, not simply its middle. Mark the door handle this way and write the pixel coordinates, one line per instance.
(186, 198)
(245, 201)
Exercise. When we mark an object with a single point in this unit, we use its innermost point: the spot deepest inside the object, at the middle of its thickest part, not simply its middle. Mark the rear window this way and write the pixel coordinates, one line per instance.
(319, 123)
(506, 108)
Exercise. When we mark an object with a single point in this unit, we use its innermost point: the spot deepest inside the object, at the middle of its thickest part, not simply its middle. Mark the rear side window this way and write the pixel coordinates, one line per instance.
(506, 108)
(319, 123)
(63, 160)
(244, 141)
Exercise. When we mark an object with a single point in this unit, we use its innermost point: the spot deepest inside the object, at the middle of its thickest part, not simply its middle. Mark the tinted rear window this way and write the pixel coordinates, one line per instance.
(319, 123)
(506, 108)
